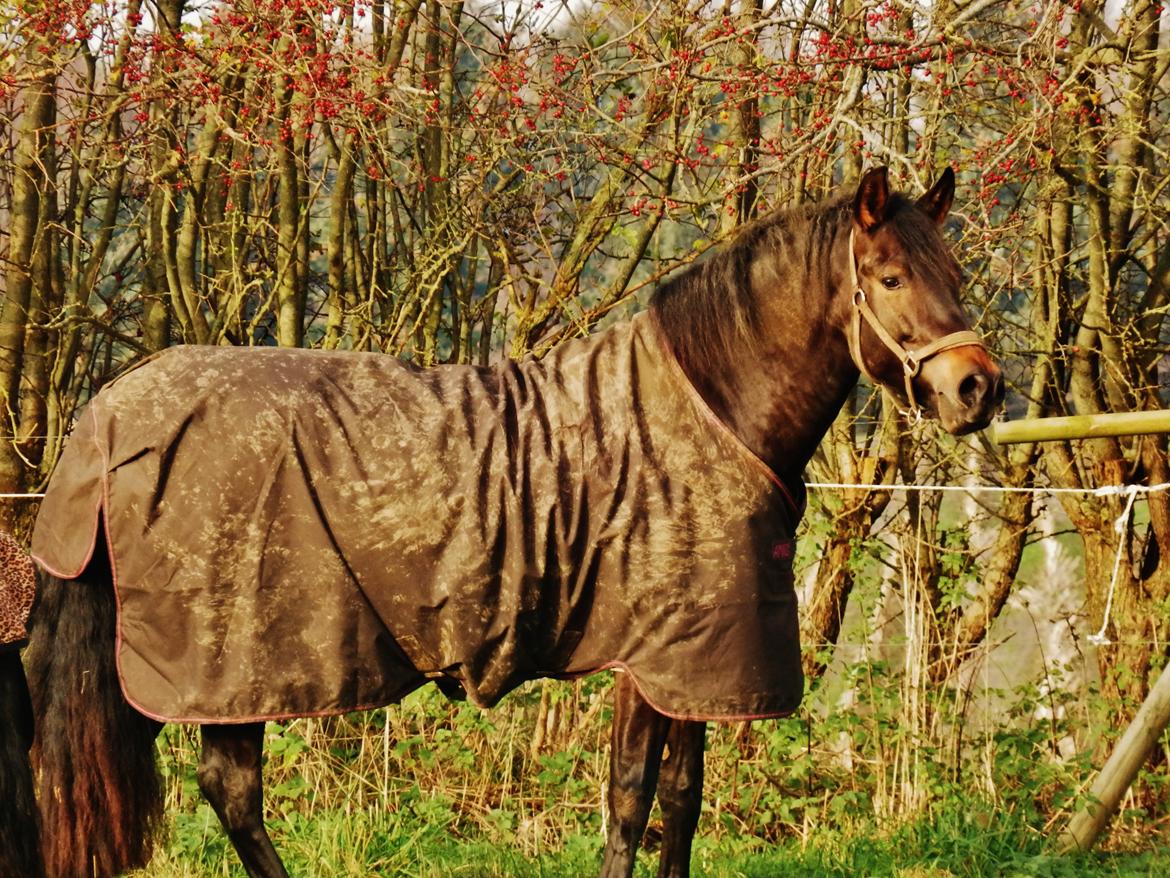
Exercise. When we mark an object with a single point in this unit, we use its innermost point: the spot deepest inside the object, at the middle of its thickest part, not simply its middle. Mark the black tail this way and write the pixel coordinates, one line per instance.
(100, 791)
(20, 856)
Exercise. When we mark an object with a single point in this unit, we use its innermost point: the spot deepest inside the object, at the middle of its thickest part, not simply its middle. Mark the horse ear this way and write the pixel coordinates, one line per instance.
(873, 195)
(937, 202)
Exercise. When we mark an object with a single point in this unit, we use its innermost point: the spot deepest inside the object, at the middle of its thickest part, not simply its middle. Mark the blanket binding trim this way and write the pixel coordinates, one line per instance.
(705, 410)
(623, 668)
(98, 513)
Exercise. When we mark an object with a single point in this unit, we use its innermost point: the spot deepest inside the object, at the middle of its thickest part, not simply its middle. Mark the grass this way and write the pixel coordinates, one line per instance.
(429, 819)
(951, 844)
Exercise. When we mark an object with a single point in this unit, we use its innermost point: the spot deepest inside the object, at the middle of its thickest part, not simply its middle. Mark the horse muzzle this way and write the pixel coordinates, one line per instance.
(966, 386)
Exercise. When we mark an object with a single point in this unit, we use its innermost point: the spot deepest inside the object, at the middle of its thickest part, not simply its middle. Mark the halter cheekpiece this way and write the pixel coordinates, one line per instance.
(911, 360)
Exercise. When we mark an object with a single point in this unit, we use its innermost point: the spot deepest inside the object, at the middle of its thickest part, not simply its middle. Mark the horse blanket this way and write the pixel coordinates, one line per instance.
(18, 587)
(297, 533)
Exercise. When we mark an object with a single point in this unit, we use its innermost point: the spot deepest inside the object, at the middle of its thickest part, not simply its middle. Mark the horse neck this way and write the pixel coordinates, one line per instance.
(782, 373)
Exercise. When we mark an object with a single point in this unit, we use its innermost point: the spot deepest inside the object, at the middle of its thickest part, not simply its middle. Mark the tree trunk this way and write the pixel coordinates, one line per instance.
(27, 276)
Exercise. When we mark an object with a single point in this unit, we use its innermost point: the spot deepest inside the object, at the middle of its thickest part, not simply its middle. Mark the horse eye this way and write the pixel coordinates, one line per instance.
(891, 283)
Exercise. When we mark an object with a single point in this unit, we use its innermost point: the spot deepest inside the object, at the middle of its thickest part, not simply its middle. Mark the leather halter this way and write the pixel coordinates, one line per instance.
(911, 360)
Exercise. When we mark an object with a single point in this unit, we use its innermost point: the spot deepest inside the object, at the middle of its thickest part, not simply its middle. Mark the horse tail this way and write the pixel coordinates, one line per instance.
(20, 855)
(100, 790)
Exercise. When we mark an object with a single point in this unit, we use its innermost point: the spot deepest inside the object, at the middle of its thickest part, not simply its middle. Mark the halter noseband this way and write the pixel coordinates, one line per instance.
(911, 360)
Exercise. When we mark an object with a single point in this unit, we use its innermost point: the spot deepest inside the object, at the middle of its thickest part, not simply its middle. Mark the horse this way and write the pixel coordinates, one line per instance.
(861, 284)
(20, 855)
(191, 511)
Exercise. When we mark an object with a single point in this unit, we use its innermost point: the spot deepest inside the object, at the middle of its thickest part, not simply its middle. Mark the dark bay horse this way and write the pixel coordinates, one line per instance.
(771, 333)
(774, 333)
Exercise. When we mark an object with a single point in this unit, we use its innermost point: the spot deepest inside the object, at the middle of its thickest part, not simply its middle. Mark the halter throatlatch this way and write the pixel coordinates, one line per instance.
(911, 360)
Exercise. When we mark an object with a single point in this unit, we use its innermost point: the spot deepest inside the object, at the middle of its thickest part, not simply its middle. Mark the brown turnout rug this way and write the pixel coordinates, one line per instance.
(300, 532)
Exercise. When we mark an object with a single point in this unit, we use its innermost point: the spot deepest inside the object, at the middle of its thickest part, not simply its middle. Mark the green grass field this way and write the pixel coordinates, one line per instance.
(339, 844)
(430, 788)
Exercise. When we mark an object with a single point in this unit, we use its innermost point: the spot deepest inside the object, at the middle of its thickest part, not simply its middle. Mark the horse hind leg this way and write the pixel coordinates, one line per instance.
(680, 796)
(230, 779)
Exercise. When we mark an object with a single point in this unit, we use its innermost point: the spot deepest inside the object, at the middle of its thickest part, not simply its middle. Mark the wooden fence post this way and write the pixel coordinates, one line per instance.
(1120, 769)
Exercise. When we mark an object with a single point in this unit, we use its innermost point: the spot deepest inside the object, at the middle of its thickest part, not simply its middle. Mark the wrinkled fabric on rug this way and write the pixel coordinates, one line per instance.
(299, 532)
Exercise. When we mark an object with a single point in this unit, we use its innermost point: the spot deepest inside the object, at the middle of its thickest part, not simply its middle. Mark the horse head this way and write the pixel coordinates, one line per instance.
(907, 330)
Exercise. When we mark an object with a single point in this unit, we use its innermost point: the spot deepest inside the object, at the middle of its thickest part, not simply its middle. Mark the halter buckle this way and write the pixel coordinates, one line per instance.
(911, 364)
(913, 415)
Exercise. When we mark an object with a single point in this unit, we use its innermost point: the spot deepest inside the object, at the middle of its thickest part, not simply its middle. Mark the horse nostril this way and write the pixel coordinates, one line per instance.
(973, 388)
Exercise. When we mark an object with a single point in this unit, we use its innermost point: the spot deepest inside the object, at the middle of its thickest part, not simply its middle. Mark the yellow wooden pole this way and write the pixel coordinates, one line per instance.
(1120, 769)
(1081, 427)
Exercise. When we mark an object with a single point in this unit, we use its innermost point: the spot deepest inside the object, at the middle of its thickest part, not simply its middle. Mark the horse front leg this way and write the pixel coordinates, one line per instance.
(680, 795)
(229, 777)
(636, 741)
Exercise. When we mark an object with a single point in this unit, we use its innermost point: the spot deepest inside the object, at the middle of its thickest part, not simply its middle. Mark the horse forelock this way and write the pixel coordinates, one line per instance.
(921, 248)
(921, 242)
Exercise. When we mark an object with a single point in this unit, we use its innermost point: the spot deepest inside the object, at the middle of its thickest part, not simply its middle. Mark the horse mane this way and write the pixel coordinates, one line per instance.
(710, 312)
